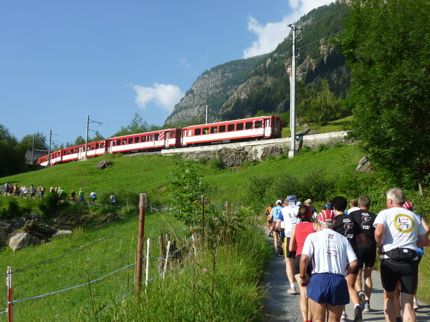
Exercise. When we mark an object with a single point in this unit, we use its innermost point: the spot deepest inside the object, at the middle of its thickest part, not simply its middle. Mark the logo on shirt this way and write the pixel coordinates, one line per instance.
(404, 223)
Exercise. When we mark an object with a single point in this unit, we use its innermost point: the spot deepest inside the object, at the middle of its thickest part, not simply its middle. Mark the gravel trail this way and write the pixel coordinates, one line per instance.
(280, 306)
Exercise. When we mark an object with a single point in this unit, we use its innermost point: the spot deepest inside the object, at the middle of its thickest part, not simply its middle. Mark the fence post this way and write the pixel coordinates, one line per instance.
(9, 283)
(138, 271)
(148, 243)
(166, 258)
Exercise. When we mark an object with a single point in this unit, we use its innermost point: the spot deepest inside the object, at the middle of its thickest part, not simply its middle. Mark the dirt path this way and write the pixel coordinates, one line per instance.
(280, 306)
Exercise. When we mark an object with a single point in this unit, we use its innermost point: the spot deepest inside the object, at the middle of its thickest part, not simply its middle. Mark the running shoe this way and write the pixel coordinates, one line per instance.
(358, 316)
(415, 305)
(292, 291)
(344, 317)
(366, 308)
(362, 298)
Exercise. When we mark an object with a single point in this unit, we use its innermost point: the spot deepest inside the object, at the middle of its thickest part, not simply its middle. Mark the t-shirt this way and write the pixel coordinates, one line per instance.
(303, 229)
(402, 228)
(329, 251)
(290, 217)
(348, 227)
(365, 219)
(276, 211)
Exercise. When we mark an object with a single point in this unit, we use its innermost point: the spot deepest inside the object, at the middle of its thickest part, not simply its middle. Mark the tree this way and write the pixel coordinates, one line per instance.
(26, 142)
(79, 140)
(12, 159)
(137, 125)
(387, 45)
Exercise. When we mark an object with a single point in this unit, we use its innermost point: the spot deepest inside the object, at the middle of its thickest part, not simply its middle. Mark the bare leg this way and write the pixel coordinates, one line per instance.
(406, 303)
(359, 281)
(389, 306)
(334, 312)
(350, 280)
(368, 283)
(289, 263)
(303, 301)
(317, 310)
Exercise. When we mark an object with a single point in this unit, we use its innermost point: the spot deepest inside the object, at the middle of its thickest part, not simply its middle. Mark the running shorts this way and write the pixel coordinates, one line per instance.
(366, 255)
(327, 288)
(287, 253)
(393, 271)
(297, 266)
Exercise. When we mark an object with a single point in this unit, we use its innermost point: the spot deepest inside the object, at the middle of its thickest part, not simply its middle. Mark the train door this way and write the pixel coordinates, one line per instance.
(81, 153)
(166, 139)
(267, 128)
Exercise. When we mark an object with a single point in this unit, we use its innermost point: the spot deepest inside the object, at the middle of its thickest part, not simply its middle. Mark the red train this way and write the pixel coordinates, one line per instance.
(254, 128)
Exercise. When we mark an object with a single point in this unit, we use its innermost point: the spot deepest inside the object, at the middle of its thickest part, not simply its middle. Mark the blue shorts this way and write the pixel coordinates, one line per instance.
(328, 288)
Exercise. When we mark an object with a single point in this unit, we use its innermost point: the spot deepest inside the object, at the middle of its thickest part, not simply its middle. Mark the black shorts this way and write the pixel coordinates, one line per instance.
(287, 246)
(366, 255)
(406, 272)
(297, 266)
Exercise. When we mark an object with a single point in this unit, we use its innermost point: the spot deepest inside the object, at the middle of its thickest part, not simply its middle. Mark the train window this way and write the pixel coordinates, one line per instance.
(258, 124)
(102, 145)
(149, 137)
(130, 140)
(239, 126)
(156, 137)
(214, 129)
(205, 130)
(197, 131)
(222, 128)
(142, 138)
(137, 139)
(248, 125)
(230, 127)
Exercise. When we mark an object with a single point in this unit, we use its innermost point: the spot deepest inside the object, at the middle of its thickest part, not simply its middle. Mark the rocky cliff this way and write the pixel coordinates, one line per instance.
(259, 85)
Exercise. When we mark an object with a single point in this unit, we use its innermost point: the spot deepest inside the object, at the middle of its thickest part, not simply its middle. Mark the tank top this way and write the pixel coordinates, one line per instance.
(303, 229)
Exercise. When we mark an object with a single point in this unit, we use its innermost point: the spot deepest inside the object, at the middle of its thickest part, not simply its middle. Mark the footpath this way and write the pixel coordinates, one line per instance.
(280, 306)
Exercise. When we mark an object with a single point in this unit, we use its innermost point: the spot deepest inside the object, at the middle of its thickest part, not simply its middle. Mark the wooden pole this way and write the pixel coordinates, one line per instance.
(148, 243)
(9, 294)
(138, 267)
(166, 259)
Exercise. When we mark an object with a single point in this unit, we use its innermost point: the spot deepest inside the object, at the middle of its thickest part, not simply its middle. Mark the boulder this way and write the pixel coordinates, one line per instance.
(364, 165)
(22, 240)
(62, 233)
(102, 165)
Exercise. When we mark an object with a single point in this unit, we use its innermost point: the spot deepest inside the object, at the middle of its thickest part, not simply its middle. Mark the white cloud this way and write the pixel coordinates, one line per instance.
(269, 35)
(162, 95)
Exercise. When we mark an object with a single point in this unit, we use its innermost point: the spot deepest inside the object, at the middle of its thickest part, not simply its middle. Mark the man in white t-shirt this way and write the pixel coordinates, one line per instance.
(289, 212)
(398, 232)
(332, 258)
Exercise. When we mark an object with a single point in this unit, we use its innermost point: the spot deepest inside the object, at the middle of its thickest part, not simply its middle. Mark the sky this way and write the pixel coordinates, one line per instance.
(61, 61)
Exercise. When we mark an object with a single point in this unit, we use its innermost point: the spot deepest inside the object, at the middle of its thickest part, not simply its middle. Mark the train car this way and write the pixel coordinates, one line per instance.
(148, 141)
(254, 128)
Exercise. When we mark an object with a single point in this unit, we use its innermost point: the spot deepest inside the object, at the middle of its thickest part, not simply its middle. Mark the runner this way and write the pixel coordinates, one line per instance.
(289, 213)
(397, 234)
(298, 237)
(276, 212)
(332, 257)
(366, 252)
(349, 228)
(269, 221)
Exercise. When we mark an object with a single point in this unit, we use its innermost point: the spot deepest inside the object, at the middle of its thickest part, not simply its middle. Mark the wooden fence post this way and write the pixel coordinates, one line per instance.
(148, 243)
(9, 283)
(138, 267)
(166, 259)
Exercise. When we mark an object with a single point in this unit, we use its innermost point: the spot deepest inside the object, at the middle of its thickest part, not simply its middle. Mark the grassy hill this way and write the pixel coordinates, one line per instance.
(96, 251)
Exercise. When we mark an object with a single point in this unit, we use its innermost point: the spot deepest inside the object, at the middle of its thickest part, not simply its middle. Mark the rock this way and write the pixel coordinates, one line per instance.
(364, 165)
(41, 231)
(102, 165)
(62, 233)
(22, 240)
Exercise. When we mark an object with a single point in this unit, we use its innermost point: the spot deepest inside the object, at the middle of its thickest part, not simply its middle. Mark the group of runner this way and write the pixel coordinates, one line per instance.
(331, 254)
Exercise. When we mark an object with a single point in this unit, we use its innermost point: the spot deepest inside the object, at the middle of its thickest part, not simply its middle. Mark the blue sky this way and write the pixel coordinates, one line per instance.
(63, 60)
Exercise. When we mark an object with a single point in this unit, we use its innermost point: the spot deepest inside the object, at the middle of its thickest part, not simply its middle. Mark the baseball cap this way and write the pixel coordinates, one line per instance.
(279, 202)
(292, 198)
(308, 202)
(326, 216)
(408, 205)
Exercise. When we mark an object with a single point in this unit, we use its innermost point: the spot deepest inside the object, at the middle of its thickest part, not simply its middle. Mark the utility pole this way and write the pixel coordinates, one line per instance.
(32, 149)
(293, 150)
(87, 133)
(86, 136)
(49, 148)
(206, 114)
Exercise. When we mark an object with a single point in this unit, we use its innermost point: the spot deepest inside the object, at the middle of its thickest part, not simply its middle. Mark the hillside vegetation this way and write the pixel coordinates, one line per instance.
(226, 288)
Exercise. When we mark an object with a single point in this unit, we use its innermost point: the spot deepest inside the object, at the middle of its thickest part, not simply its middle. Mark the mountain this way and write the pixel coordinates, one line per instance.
(260, 84)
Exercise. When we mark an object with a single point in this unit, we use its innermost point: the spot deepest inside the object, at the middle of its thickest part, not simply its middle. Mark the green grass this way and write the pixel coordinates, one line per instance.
(343, 124)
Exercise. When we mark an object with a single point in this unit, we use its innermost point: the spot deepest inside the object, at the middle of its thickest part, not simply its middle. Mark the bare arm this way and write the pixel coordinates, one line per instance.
(293, 244)
(379, 234)
(304, 259)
